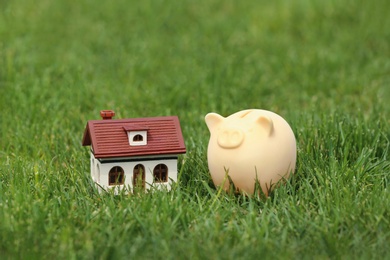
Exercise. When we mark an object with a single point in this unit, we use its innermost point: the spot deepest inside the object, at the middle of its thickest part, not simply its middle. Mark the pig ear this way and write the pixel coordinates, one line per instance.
(213, 119)
(266, 123)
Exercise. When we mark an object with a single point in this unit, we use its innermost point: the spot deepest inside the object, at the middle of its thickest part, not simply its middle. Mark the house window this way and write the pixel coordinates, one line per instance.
(116, 176)
(139, 176)
(98, 173)
(138, 138)
(93, 171)
(160, 173)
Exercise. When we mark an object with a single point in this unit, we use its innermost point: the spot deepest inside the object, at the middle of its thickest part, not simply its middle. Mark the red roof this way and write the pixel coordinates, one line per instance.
(109, 137)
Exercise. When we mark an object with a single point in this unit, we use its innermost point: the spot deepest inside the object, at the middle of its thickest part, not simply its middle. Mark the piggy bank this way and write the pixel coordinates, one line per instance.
(249, 146)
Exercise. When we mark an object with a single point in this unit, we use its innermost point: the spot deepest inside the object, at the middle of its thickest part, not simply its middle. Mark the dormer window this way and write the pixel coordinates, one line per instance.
(138, 138)
(138, 135)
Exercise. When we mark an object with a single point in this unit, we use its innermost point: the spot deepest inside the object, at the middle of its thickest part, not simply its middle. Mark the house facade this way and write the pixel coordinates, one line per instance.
(137, 152)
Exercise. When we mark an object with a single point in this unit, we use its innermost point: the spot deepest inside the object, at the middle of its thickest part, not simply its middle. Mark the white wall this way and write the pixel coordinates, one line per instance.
(128, 167)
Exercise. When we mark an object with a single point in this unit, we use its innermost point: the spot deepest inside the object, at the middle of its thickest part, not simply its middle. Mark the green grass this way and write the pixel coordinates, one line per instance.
(323, 65)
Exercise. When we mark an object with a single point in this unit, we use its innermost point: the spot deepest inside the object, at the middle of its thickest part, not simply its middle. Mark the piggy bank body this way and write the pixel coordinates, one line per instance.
(249, 146)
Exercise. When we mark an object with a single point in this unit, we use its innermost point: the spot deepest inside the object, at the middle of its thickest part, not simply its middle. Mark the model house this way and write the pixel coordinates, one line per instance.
(136, 152)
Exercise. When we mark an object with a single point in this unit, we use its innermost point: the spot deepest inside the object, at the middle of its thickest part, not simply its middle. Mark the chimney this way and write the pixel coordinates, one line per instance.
(107, 114)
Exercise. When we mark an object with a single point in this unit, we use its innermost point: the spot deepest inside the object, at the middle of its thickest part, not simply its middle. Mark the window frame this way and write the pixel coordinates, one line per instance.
(119, 176)
(138, 138)
(136, 174)
(160, 173)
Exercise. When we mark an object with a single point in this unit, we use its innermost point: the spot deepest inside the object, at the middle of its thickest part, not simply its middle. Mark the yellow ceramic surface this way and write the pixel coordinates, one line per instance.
(250, 145)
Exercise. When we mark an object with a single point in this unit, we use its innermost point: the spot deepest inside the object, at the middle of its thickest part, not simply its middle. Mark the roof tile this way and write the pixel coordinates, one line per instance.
(109, 137)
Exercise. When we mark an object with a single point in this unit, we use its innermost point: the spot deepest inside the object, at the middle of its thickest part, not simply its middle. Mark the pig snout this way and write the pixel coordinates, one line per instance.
(230, 138)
